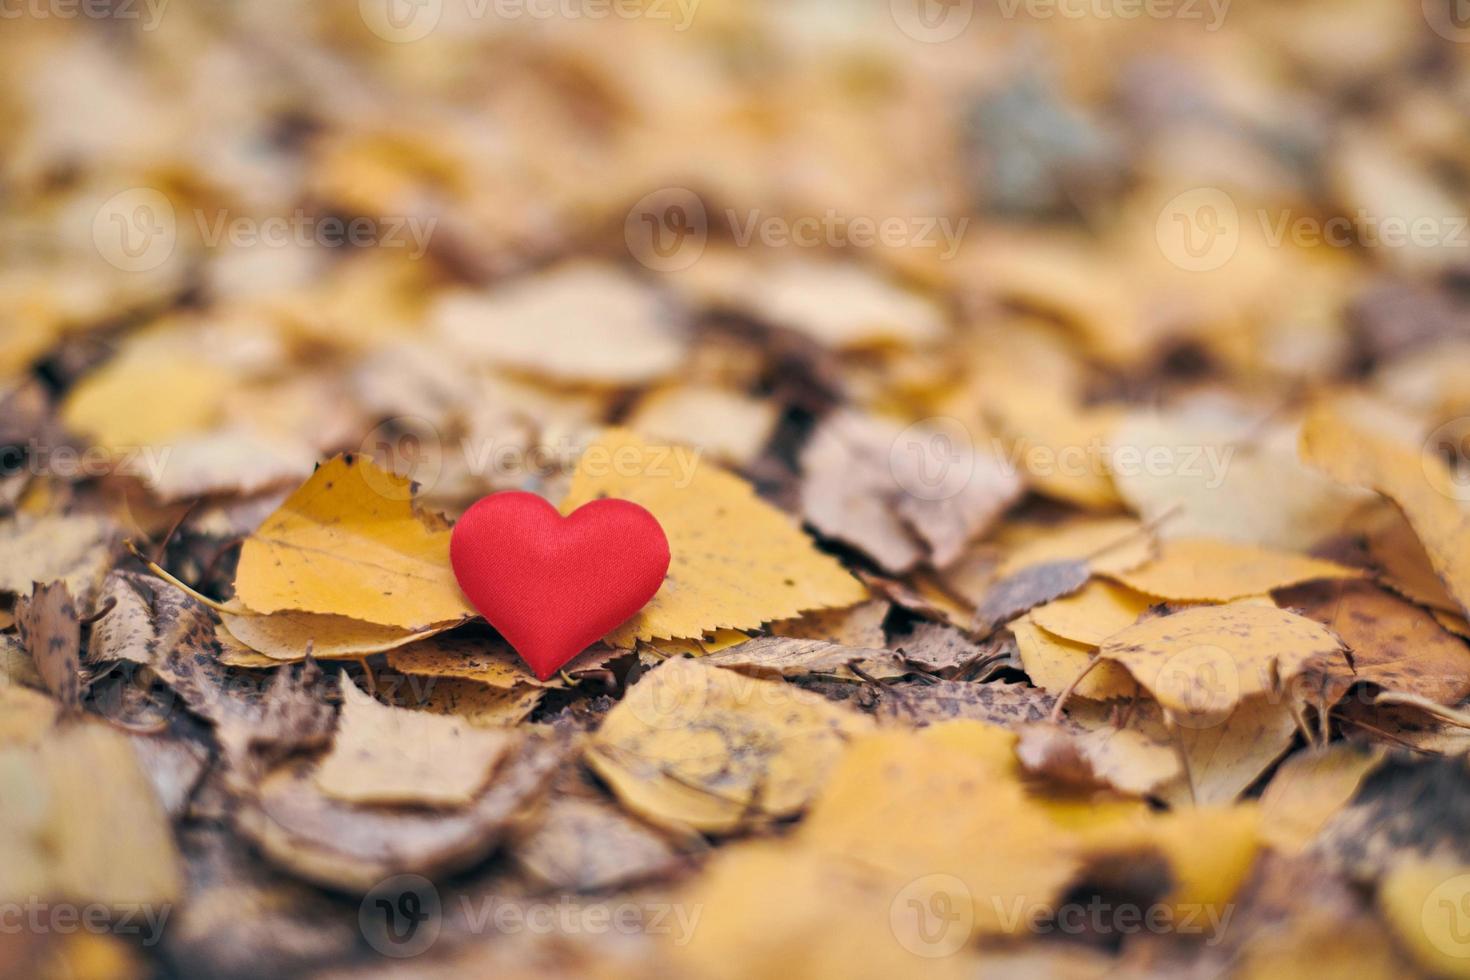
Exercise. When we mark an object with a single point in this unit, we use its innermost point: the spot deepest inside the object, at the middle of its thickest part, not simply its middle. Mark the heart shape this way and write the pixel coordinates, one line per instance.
(555, 585)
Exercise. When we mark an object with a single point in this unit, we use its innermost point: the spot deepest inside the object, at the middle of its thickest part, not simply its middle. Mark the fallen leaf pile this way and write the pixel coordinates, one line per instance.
(1059, 416)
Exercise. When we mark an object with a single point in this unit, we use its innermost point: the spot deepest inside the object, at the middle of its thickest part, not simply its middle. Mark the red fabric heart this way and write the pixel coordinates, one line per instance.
(555, 585)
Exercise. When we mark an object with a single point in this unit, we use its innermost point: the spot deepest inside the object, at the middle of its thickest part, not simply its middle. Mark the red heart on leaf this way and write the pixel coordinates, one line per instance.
(555, 585)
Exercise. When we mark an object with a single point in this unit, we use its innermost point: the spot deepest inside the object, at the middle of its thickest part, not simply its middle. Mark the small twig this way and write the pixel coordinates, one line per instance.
(1056, 709)
(101, 611)
(1459, 719)
(168, 577)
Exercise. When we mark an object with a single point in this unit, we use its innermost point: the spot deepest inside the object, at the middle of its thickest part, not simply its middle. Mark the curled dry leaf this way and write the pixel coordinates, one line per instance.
(1030, 586)
(52, 634)
(1348, 442)
(1390, 642)
(856, 626)
(869, 483)
(353, 847)
(737, 562)
(696, 746)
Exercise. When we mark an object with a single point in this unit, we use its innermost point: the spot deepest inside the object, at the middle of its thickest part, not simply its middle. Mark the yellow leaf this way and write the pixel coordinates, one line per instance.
(697, 746)
(392, 755)
(946, 803)
(1426, 904)
(736, 561)
(1209, 570)
(1348, 443)
(730, 425)
(1090, 616)
(348, 543)
(1052, 663)
(1108, 545)
(1201, 662)
(147, 397)
(1309, 788)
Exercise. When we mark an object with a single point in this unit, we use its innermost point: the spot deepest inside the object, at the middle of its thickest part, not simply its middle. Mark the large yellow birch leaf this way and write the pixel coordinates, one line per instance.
(736, 561)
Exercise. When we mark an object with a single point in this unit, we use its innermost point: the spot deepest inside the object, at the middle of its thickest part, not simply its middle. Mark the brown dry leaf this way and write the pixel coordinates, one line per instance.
(1201, 662)
(1118, 758)
(919, 704)
(940, 647)
(1308, 789)
(1348, 441)
(228, 461)
(351, 847)
(1392, 643)
(1031, 586)
(736, 561)
(1403, 564)
(579, 843)
(1053, 664)
(1209, 570)
(77, 550)
(696, 746)
(348, 543)
(52, 634)
(392, 755)
(856, 626)
(871, 484)
(583, 322)
(1093, 613)
(779, 656)
(484, 660)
